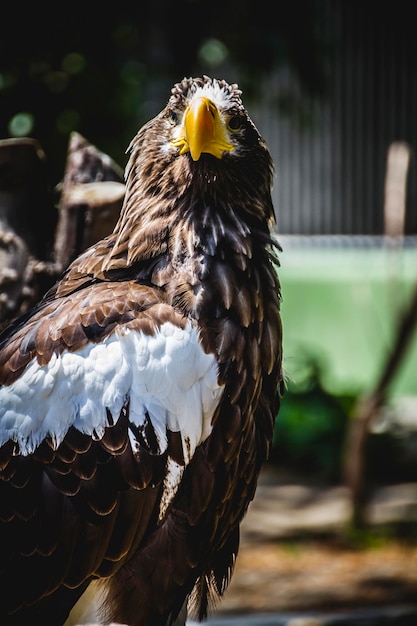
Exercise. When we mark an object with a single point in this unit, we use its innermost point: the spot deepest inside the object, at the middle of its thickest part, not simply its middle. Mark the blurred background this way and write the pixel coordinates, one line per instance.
(332, 86)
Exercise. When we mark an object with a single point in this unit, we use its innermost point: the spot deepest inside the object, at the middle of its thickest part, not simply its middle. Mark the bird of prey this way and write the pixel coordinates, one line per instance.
(138, 397)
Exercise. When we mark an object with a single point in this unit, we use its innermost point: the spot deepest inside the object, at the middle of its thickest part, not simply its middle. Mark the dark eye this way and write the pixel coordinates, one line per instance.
(172, 117)
(235, 123)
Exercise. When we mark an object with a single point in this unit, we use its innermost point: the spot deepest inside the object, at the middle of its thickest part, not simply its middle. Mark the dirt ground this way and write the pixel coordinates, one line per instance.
(316, 576)
(297, 553)
(298, 556)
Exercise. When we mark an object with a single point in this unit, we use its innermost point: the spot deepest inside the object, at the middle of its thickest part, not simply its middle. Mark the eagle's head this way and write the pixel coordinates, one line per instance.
(204, 139)
(205, 115)
(198, 181)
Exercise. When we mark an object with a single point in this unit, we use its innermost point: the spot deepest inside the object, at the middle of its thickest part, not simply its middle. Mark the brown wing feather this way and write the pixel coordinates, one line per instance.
(94, 531)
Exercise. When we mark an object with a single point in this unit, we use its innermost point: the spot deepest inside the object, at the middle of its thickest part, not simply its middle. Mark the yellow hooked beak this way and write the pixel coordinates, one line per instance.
(202, 131)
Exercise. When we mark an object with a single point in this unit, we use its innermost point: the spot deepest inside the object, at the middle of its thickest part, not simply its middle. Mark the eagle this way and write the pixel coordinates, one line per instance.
(138, 397)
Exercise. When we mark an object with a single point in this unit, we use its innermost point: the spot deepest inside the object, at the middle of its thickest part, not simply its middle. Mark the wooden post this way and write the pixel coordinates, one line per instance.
(36, 243)
(369, 405)
(92, 193)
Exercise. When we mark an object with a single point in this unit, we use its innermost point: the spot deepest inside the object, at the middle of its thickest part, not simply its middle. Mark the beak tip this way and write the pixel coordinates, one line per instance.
(195, 156)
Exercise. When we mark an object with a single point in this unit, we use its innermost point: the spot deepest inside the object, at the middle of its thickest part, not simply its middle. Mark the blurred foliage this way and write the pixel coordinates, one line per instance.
(105, 71)
(311, 429)
(311, 426)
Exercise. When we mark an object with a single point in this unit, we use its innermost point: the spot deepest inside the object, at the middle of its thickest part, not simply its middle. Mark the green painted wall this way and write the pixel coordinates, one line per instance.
(340, 305)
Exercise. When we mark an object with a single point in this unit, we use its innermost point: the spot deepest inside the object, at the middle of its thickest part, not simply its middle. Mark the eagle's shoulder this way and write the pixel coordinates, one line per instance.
(109, 352)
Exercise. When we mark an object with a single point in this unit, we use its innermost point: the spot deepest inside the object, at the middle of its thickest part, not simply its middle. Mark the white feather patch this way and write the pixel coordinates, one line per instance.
(173, 475)
(215, 92)
(167, 377)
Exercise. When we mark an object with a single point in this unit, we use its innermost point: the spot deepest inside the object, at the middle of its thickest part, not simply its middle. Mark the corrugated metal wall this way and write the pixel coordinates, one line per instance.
(331, 172)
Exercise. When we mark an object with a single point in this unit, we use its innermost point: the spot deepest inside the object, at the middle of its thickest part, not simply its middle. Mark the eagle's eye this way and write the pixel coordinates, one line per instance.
(235, 123)
(172, 117)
